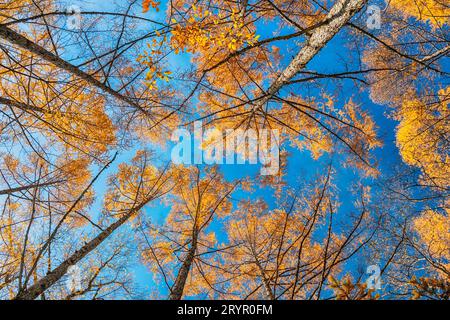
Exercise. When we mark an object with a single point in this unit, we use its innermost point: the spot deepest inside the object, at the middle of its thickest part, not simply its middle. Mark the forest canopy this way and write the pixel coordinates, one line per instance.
(315, 134)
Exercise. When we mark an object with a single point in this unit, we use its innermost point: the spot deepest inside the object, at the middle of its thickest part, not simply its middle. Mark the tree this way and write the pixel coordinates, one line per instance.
(292, 252)
(181, 248)
(61, 122)
(145, 186)
(233, 67)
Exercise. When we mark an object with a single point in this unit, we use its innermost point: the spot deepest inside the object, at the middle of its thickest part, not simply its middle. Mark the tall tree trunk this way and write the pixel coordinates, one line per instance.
(177, 290)
(269, 292)
(19, 40)
(23, 106)
(51, 278)
(339, 15)
(30, 186)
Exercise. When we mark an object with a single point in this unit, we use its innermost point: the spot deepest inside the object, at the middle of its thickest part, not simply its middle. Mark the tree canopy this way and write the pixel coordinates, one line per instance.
(91, 95)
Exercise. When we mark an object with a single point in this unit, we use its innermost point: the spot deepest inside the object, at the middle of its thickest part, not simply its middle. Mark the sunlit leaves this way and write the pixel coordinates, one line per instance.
(434, 11)
(423, 135)
(146, 4)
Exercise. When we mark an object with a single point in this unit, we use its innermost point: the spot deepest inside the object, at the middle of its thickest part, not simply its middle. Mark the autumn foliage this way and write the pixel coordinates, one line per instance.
(90, 98)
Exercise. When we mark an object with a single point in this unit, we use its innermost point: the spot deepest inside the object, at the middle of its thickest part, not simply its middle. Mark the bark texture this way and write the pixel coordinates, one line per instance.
(339, 15)
(52, 277)
(19, 40)
(178, 287)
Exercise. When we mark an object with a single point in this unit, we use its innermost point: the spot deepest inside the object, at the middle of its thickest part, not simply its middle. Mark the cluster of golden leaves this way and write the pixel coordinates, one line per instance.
(433, 230)
(422, 137)
(69, 114)
(198, 198)
(66, 184)
(212, 36)
(146, 4)
(205, 32)
(436, 12)
(14, 8)
(429, 288)
(347, 289)
(154, 69)
(135, 183)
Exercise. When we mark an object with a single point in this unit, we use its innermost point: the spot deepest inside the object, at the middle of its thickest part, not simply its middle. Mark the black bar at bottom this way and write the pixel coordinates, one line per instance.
(204, 309)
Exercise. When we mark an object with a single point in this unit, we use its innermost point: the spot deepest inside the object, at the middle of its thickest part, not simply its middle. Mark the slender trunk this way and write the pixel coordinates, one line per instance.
(26, 44)
(23, 106)
(177, 290)
(266, 283)
(52, 277)
(339, 15)
(31, 186)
